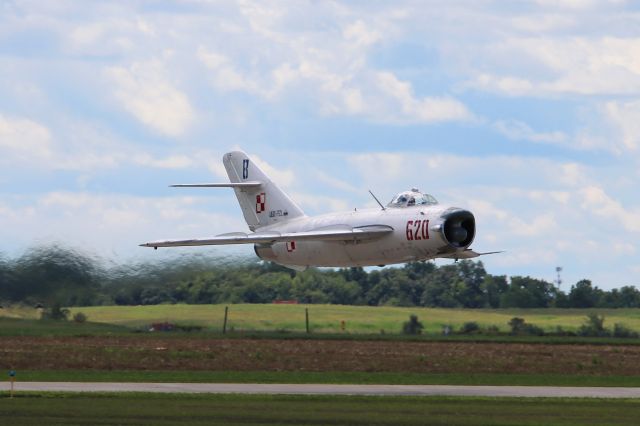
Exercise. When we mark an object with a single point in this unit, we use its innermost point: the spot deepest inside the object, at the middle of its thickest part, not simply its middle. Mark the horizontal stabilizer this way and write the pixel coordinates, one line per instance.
(218, 185)
(334, 233)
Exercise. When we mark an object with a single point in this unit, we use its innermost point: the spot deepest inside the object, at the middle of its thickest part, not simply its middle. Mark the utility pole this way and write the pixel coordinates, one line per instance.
(558, 279)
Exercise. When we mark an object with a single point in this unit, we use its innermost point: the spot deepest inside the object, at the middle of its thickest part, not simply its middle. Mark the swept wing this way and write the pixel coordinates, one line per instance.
(333, 233)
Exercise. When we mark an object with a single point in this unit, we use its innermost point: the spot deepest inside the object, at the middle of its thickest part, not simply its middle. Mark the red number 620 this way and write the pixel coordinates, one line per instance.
(417, 230)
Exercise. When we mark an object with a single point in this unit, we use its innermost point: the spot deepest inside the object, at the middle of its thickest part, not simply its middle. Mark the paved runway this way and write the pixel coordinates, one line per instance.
(329, 389)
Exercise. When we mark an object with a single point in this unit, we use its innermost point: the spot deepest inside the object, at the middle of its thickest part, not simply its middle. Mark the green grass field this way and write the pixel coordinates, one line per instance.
(331, 377)
(157, 409)
(33, 327)
(328, 318)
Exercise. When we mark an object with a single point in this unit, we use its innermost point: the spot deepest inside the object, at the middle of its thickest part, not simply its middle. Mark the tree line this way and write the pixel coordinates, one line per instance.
(58, 275)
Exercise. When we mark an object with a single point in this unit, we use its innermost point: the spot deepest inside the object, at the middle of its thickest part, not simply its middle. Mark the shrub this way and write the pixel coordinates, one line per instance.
(188, 327)
(620, 330)
(594, 327)
(470, 327)
(492, 330)
(519, 326)
(413, 326)
(534, 330)
(559, 331)
(516, 324)
(79, 317)
(55, 312)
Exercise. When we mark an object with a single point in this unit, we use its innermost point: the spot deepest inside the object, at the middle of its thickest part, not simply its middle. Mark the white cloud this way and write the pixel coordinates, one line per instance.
(596, 199)
(281, 177)
(227, 78)
(572, 174)
(260, 71)
(107, 222)
(21, 138)
(624, 248)
(330, 70)
(334, 182)
(537, 23)
(560, 197)
(541, 211)
(577, 4)
(625, 118)
(415, 110)
(216, 167)
(145, 91)
(382, 164)
(517, 130)
(360, 34)
(385, 170)
(566, 65)
(524, 258)
(76, 146)
(172, 162)
(543, 224)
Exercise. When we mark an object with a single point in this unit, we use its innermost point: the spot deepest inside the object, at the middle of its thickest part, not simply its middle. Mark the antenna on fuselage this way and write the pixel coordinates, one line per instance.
(377, 201)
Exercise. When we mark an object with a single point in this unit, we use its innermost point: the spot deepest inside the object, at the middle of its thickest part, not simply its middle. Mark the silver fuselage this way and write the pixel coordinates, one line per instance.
(418, 234)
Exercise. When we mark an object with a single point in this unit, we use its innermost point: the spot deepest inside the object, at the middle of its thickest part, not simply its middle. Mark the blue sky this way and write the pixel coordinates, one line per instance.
(525, 112)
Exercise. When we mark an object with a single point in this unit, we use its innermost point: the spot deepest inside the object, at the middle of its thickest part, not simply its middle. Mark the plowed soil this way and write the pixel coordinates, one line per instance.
(150, 353)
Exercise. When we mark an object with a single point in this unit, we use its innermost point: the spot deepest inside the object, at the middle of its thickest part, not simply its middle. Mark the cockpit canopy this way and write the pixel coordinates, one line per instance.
(412, 198)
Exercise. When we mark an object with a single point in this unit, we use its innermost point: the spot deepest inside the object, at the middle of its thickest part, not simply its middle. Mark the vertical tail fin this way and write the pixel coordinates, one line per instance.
(263, 205)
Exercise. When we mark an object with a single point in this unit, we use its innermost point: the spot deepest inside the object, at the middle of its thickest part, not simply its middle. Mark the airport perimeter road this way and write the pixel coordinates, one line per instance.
(328, 389)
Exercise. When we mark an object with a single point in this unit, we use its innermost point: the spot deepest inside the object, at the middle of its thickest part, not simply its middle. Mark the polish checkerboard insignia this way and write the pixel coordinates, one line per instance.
(261, 199)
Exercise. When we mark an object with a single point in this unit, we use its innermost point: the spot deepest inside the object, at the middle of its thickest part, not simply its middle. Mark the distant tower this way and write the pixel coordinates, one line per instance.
(558, 279)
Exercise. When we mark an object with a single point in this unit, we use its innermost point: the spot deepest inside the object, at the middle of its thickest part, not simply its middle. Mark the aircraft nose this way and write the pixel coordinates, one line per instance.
(459, 227)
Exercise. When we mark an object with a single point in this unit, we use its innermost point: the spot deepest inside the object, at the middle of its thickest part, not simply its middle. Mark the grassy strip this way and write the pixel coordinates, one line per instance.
(168, 409)
(357, 319)
(34, 327)
(335, 377)
(31, 327)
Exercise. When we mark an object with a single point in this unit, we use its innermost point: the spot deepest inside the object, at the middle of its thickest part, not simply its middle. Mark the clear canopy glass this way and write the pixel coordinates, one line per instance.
(412, 198)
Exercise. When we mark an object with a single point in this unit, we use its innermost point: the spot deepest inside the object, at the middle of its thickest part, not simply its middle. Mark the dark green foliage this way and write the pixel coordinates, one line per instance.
(620, 330)
(594, 327)
(584, 295)
(51, 275)
(520, 327)
(516, 324)
(527, 292)
(59, 275)
(79, 317)
(413, 326)
(55, 312)
(492, 288)
(492, 330)
(470, 327)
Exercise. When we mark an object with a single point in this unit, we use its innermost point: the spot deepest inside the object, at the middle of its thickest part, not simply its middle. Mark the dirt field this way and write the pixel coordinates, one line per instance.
(150, 353)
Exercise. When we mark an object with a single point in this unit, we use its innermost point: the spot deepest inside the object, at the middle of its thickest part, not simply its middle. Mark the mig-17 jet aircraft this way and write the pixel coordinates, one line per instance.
(412, 227)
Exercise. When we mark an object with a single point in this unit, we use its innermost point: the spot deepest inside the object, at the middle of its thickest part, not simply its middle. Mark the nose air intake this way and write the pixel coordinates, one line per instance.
(459, 228)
